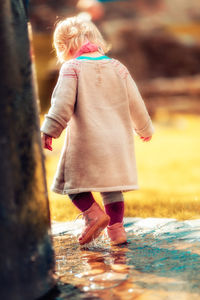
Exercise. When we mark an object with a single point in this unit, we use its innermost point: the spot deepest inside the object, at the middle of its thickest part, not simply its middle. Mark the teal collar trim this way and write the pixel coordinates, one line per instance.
(93, 58)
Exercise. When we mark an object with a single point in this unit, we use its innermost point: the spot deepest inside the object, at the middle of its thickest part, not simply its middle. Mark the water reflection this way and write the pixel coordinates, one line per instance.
(160, 261)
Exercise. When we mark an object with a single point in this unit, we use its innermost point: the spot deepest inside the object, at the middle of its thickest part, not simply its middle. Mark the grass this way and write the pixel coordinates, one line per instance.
(168, 169)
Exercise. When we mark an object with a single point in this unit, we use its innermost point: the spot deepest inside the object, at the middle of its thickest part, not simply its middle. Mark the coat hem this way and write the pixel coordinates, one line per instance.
(103, 189)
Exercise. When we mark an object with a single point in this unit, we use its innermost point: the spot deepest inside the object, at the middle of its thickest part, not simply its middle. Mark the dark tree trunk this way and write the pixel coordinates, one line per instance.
(27, 260)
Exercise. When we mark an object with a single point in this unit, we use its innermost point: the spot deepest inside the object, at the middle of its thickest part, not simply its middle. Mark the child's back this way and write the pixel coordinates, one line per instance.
(100, 99)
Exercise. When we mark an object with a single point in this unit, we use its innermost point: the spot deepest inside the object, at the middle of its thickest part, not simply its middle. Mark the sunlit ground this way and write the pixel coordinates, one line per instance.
(168, 169)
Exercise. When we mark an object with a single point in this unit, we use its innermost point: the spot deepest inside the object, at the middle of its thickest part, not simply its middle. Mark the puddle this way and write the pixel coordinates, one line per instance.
(160, 261)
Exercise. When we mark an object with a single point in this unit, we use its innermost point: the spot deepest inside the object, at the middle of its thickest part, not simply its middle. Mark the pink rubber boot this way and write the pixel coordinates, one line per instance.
(117, 233)
(95, 221)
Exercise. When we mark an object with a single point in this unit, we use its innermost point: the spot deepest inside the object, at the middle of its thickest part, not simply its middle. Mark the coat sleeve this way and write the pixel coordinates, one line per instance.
(139, 114)
(62, 102)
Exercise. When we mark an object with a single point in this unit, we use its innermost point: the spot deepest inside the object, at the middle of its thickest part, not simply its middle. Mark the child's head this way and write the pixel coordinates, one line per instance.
(71, 33)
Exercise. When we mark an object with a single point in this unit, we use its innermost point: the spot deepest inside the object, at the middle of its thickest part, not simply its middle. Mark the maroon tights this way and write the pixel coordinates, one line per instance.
(113, 203)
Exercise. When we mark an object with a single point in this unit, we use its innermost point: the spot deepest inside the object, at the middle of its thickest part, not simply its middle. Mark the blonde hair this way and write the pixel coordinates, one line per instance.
(71, 33)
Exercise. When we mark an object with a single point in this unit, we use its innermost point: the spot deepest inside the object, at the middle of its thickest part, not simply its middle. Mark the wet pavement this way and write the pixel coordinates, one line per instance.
(160, 261)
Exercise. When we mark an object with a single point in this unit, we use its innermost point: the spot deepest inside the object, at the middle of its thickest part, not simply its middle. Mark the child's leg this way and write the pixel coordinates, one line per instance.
(114, 206)
(82, 201)
(95, 218)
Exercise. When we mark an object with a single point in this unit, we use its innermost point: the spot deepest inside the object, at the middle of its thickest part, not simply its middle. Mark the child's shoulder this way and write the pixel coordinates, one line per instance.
(70, 65)
(120, 67)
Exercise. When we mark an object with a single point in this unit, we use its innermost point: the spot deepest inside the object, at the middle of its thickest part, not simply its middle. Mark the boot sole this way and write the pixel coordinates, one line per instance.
(118, 242)
(95, 231)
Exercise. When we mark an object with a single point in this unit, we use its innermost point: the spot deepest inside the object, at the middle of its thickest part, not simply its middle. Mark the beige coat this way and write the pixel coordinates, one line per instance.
(99, 103)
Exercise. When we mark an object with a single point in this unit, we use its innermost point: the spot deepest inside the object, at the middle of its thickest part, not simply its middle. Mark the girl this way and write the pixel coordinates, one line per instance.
(99, 103)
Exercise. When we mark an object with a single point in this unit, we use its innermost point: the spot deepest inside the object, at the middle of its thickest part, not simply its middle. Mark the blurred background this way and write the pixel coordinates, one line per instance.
(159, 42)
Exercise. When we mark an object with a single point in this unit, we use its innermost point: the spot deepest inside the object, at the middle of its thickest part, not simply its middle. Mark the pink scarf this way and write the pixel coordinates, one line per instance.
(86, 48)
